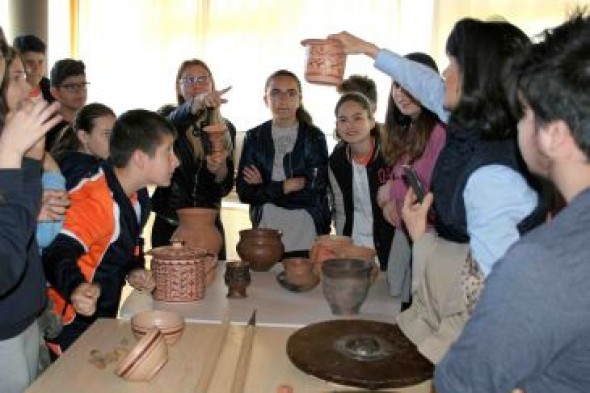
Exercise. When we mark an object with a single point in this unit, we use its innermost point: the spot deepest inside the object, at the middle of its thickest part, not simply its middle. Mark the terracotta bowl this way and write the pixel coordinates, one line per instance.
(145, 359)
(299, 271)
(169, 323)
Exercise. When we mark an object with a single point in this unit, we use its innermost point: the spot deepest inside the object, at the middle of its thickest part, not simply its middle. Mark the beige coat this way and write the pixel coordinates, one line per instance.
(439, 309)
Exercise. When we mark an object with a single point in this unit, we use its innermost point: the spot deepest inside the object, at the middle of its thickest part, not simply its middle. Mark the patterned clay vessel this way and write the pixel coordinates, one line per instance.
(179, 273)
(325, 61)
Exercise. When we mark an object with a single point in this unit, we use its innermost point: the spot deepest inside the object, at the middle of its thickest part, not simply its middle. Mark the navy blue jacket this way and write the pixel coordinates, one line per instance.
(22, 283)
(309, 159)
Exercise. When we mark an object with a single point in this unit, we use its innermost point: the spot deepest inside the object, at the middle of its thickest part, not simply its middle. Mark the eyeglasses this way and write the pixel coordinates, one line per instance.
(194, 80)
(276, 94)
(74, 87)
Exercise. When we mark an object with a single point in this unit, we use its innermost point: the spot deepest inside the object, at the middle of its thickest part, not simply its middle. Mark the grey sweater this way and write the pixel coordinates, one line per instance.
(531, 327)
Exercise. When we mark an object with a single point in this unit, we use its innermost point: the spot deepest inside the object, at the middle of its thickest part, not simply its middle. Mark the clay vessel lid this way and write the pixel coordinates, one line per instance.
(177, 251)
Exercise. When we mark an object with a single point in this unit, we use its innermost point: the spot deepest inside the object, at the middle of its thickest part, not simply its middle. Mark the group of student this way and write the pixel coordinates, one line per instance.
(492, 288)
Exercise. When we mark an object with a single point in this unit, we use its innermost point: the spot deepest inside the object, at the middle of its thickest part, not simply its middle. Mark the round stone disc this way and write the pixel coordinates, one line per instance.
(366, 354)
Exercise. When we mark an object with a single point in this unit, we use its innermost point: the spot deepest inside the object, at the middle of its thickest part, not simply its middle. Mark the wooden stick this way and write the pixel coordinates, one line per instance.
(244, 359)
(215, 349)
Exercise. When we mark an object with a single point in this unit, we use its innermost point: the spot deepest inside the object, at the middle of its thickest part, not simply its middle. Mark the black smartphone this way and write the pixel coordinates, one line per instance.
(414, 182)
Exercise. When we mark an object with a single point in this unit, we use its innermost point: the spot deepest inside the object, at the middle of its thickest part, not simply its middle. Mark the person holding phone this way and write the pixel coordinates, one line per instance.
(484, 200)
(413, 136)
(355, 172)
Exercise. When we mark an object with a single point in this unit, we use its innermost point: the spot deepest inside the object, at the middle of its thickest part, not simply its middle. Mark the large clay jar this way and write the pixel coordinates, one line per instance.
(345, 284)
(325, 61)
(179, 273)
(261, 247)
(198, 231)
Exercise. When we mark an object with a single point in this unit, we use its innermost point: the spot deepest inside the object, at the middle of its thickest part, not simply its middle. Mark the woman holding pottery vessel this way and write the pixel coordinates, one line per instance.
(206, 172)
(413, 136)
(357, 169)
(484, 201)
(283, 171)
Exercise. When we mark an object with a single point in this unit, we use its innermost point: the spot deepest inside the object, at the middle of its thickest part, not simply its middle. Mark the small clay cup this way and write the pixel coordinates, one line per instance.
(345, 284)
(237, 278)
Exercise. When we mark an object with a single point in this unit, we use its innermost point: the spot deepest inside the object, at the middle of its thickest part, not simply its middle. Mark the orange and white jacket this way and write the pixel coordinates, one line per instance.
(99, 243)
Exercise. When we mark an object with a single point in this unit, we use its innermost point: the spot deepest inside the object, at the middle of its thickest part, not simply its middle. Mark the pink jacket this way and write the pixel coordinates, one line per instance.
(423, 165)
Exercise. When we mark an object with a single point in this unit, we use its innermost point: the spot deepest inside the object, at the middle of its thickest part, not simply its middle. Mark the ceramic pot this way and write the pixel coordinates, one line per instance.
(327, 247)
(261, 248)
(179, 272)
(345, 284)
(368, 254)
(237, 278)
(325, 61)
(145, 359)
(171, 324)
(198, 231)
(299, 272)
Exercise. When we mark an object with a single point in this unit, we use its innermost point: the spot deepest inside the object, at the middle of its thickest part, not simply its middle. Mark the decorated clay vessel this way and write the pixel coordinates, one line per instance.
(325, 61)
(179, 272)
(261, 248)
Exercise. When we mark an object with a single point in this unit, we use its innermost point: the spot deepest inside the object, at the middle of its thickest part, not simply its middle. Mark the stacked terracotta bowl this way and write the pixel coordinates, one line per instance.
(145, 359)
(169, 323)
(155, 331)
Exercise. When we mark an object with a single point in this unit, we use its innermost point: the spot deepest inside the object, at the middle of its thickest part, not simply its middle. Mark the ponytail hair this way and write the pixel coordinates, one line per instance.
(302, 115)
(85, 120)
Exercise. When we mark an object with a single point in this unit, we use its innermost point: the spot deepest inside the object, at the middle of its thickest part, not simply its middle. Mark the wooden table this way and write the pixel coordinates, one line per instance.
(269, 367)
(275, 305)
